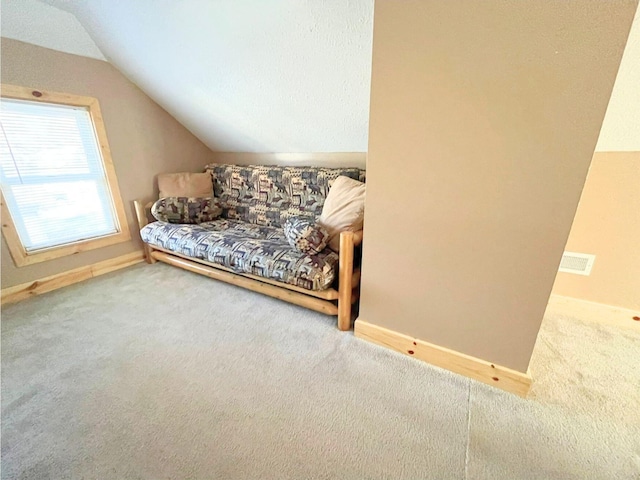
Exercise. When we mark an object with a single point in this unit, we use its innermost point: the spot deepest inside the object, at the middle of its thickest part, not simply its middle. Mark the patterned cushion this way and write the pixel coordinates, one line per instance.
(268, 195)
(305, 236)
(246, 248)
(186, 209)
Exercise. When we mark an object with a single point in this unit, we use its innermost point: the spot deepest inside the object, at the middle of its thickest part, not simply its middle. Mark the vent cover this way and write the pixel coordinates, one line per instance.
(578, 263)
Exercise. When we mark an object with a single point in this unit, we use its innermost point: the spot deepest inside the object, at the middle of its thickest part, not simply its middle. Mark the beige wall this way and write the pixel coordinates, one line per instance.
(607, 224)
(144, 139)
(484, 118)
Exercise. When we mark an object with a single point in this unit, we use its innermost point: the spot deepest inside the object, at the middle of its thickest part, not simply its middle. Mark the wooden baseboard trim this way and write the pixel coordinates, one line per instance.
(59, 280)
(472, 367)
(594, 312)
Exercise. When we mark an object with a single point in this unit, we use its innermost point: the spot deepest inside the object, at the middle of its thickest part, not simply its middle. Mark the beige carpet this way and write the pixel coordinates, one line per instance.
(154, 373)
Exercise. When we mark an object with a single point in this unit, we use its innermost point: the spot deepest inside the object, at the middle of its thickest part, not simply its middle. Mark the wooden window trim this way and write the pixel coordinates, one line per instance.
(20, 256)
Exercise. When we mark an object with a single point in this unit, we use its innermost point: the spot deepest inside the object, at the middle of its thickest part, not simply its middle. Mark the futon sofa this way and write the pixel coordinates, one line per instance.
(246, 244)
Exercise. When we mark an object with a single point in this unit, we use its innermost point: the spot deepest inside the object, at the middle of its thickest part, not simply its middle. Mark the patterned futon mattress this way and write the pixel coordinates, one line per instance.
(246, 248)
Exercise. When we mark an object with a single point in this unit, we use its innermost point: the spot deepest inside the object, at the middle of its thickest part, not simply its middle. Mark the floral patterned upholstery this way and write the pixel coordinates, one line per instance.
(268, 195)
(246, 248)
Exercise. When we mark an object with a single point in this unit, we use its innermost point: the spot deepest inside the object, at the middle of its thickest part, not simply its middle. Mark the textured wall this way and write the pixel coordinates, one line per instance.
(34, 22)
(246, 75)
(484, 119)
(144, 139)
(621, 127)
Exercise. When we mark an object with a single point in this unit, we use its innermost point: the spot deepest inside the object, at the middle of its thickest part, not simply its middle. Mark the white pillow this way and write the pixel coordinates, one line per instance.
(343, 210)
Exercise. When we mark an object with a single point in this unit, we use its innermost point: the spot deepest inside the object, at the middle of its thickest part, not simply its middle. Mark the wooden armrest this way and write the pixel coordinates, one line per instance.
(141, 212)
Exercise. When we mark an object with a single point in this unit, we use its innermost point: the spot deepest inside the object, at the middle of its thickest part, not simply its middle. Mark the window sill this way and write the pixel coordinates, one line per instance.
(22, 258)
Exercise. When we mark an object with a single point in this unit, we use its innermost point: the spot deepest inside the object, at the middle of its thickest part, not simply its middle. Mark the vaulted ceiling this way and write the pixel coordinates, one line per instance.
(245, 75)
(621, 126)
(41, 24)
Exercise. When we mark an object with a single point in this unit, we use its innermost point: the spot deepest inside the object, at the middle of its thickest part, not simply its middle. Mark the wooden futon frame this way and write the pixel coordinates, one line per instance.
(330, 301)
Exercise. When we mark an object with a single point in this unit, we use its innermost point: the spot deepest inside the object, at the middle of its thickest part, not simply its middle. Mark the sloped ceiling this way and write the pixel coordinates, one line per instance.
(246, 75)
(621, 127)
(34, 22)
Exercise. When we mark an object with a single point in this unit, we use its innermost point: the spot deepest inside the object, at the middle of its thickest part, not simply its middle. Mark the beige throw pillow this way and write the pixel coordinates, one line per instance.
(185, 185)
(343, 210)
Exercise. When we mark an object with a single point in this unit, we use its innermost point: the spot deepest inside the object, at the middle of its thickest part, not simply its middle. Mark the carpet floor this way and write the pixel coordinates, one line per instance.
(156, 373)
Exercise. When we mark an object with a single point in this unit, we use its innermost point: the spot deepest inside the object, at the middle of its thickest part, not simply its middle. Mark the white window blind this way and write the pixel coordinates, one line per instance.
(52, 174)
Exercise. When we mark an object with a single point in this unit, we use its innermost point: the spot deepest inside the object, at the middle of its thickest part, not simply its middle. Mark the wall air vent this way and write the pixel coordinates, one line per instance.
(578, 263)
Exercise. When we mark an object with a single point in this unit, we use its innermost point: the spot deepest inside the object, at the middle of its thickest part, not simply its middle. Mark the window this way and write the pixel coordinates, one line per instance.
(59, 191)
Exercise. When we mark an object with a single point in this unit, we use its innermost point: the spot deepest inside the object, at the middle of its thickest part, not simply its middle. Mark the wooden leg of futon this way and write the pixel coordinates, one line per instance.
(147, 254)
(141, 216)
(345, 280)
